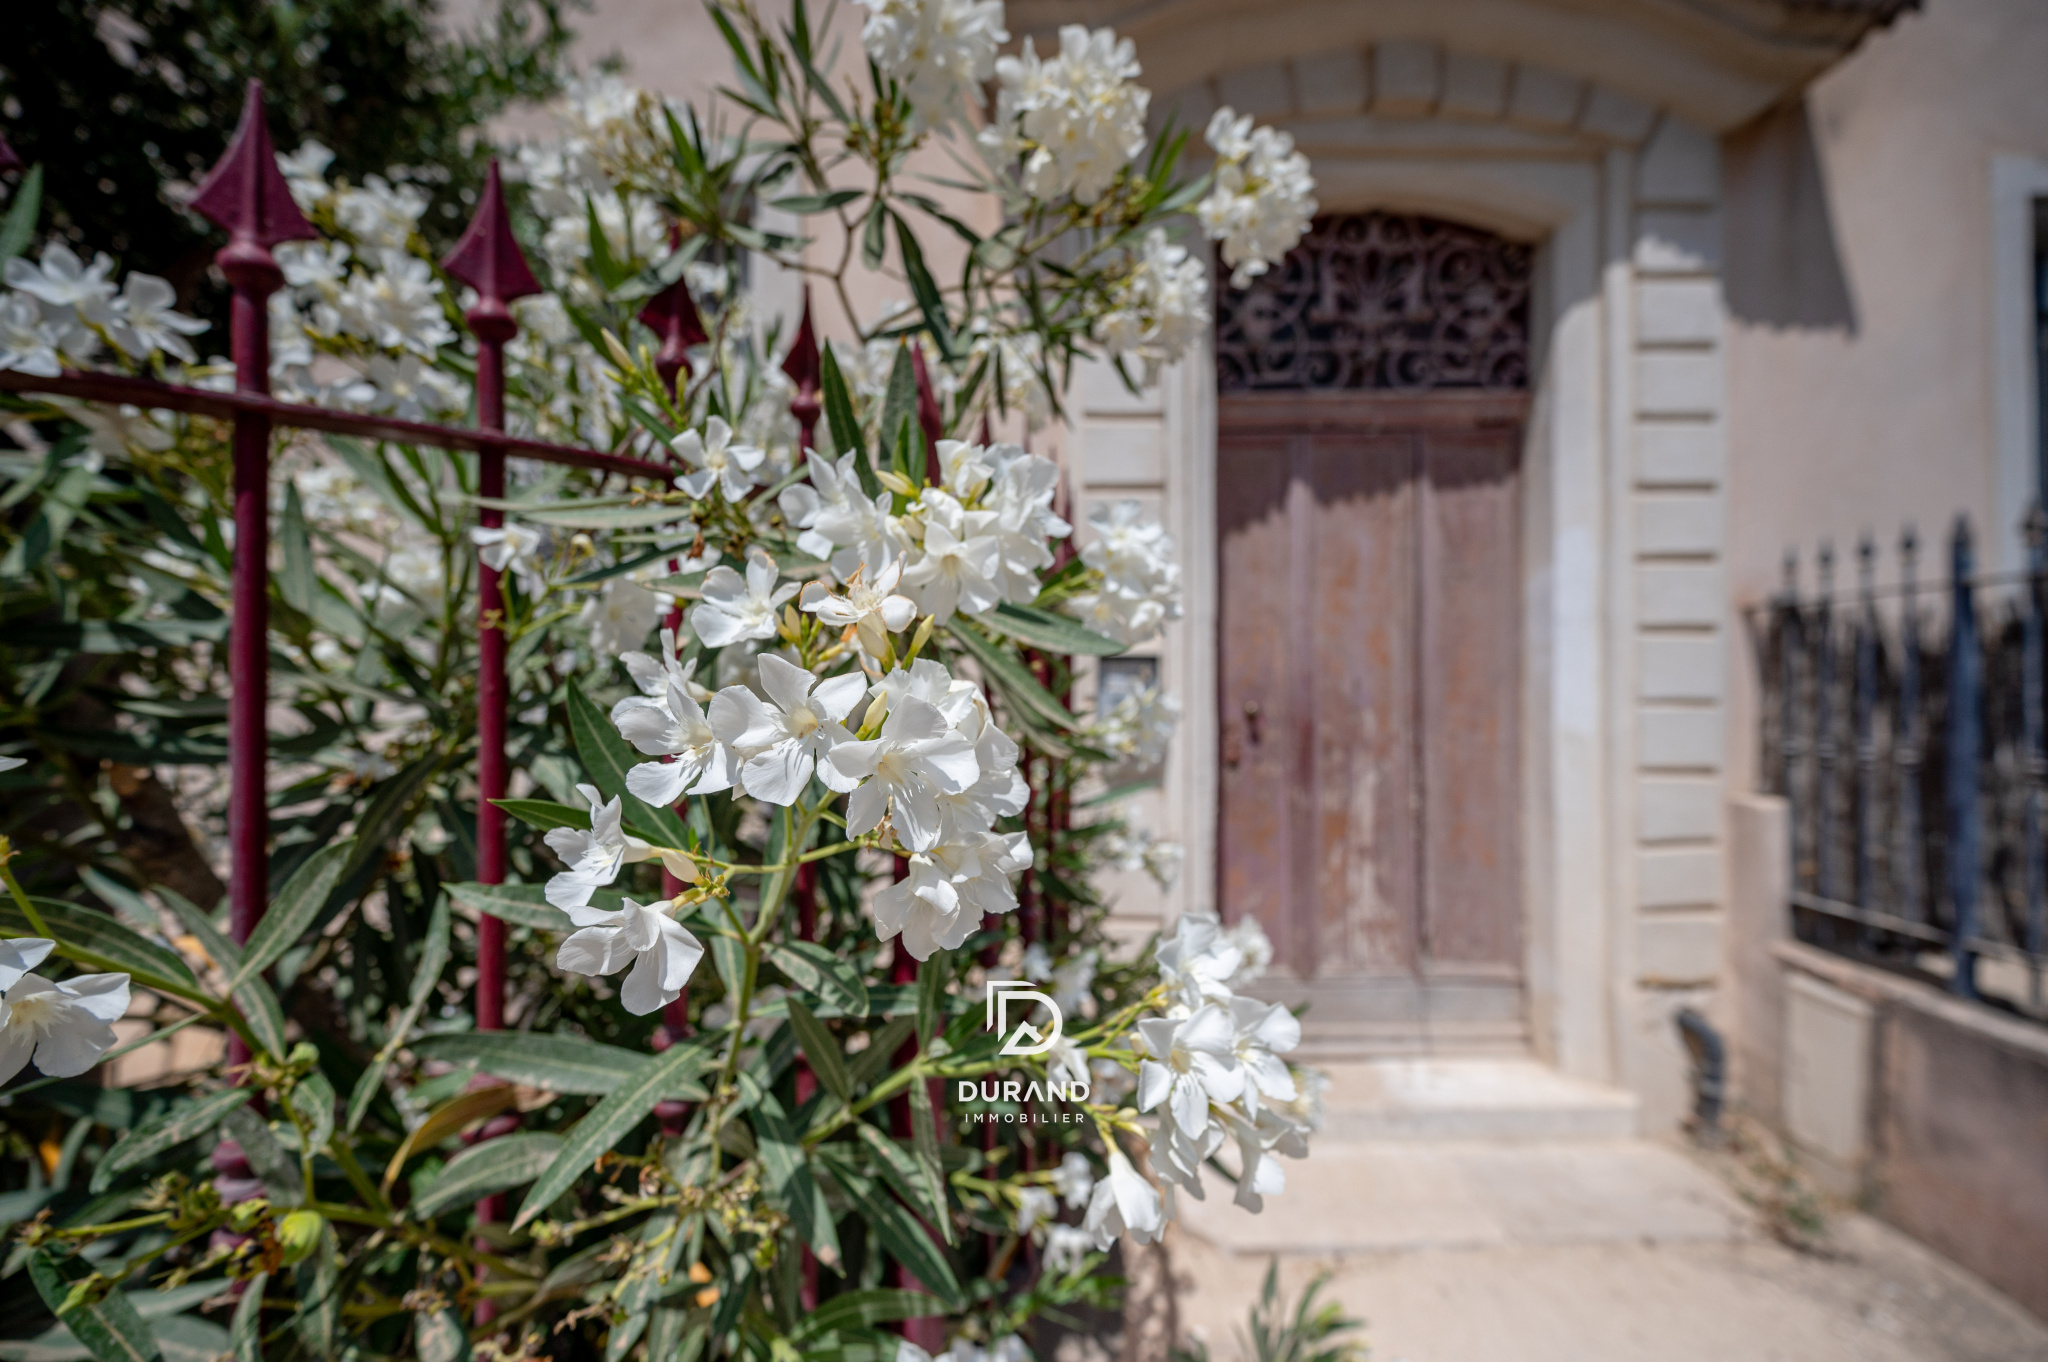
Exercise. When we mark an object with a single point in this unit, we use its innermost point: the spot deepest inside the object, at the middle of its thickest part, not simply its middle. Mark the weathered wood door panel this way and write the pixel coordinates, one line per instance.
(1368, 691)
(1470, 623)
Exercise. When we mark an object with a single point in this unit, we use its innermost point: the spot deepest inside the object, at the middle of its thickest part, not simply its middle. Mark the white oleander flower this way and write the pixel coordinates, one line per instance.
(783, 743)
(27, 344)
(305, 173)
(1075, 1178)
(872, 610)
(1140, 589)
(1257, 950)
(1035, 1205)
(1264, 197)
(515, 546)
(1124, 1203)
(1070, 980)
(115, 430)
(948, 890)
(381, 213)
(595, 855)
(1133, 552)
(653, 674)
(902, 770)
(1066, 1249)
(1066, 1062)
(396, 306)
(620, 616)
(1189, 1063)
(735, 609)
(1163, 861)
(1259, 1172)
(840, 522)
(960, 560)
(717, 460)
(63, 1027)
(63, 280)
(407, 387)
(1019, 495)
(1198, 960)
(670, 724)
(1264, 1032)
(662, 952)
(143, 320)
(1157, 310)
(14, 764)
(317, 269)
(1008, 1348)
(940, 51)
(1075, 118)
(1138, 729)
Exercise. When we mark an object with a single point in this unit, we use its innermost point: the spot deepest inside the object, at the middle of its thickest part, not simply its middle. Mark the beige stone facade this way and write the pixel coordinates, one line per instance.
(1784, 261)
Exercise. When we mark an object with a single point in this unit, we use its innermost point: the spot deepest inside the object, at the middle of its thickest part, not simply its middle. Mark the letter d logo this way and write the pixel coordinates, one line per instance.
(1000, 994)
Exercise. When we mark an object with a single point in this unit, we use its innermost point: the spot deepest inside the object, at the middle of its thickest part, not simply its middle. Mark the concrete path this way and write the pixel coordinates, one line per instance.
(1576, 1250)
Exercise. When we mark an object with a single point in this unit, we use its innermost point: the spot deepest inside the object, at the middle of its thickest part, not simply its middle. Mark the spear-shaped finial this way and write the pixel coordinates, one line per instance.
(489, 260)
(672, 315)
(247, 195)
(804, 369)
(928, 418)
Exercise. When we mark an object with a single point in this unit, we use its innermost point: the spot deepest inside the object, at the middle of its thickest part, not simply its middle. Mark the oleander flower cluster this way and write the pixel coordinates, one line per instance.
(1137, 730)
(1264, 195)
(1129, 845)
(1212, 1072)
(1072, 121)
(1134, 584)
(965, 545)
(598, 167)
(1158, 309)
(64, 311)
(941, 51)
(364, 297)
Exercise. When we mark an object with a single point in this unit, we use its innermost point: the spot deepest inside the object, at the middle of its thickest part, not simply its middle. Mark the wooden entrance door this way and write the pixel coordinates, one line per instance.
(1369, 688)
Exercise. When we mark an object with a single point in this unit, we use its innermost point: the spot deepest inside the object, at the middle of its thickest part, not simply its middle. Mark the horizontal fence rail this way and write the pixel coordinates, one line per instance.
(1904, 727)
(153, 395)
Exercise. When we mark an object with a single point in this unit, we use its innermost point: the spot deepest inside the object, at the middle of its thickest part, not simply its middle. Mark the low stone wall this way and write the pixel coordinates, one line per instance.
(1929, 1111)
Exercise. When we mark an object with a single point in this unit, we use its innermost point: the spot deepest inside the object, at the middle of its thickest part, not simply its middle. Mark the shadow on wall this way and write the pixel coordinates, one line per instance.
(1783, 267)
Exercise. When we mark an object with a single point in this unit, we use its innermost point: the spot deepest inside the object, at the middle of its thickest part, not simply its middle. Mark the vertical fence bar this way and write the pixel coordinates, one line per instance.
(488, 259)
(1826, 752)
(805, 370)
(1788, 712)
(1908, 873)
(246, 195)
(2036, 759)
(1866, 726)
(1965, 749)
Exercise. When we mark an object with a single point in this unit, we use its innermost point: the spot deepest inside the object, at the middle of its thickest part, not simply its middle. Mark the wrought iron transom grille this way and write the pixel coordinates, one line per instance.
(1380, 301)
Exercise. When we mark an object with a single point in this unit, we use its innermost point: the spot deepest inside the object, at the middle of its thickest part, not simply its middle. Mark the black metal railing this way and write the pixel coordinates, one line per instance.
(1904, 726)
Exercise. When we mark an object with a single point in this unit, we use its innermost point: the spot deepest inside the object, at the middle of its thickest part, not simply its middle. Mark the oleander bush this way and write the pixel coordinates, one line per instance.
(796, 779)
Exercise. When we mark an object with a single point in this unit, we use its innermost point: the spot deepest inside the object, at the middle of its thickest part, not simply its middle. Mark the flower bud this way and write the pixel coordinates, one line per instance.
(298, 1234)
(679, 865)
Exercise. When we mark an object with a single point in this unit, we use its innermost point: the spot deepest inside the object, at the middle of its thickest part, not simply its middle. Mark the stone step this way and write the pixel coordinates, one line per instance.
(1394, 1196)
(1326, 1043)
(1471, 1097)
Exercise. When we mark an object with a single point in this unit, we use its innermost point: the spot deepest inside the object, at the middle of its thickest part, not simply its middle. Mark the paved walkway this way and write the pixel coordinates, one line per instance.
(1582, 1250)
